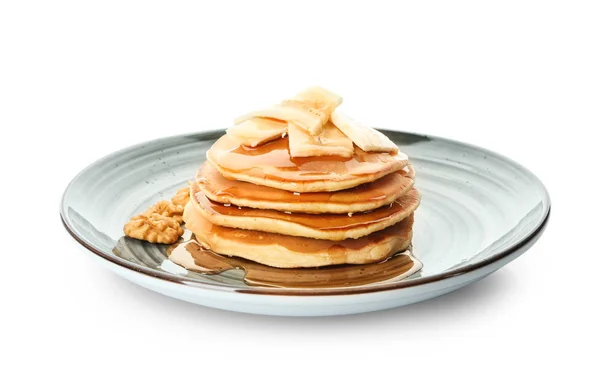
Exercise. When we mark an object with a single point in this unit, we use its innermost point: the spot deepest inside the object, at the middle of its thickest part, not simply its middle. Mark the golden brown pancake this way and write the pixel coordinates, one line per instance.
(271, 165)
(366, 197)
(284, 251)
(324, 226)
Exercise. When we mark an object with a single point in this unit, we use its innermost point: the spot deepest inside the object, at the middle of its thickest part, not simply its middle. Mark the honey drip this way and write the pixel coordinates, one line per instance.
(193, 256)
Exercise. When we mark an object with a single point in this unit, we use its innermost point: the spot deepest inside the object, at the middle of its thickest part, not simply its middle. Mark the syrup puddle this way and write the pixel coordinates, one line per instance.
(193, 257)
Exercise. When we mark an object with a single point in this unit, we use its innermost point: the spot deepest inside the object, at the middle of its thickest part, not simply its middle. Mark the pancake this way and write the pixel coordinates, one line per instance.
(324, 226)
(283, 251)
(271, 165)
(366, 197)
(409, 171)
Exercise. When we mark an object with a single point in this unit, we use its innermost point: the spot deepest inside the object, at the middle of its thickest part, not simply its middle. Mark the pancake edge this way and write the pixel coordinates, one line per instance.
(275, 255)
(325, 185)
(289, 228)
(306, 207)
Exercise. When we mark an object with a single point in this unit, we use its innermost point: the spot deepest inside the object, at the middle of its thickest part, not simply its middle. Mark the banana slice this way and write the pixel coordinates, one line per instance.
(331, 141)
(257, 131)
(365, 137)
(320, 98)
(287, 113)
(309, 109)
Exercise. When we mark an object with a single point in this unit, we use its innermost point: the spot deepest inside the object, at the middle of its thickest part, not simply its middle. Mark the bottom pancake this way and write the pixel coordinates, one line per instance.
(282, 251)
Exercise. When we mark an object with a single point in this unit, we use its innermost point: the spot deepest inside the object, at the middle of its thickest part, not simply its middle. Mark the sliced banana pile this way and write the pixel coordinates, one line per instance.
(314, 127)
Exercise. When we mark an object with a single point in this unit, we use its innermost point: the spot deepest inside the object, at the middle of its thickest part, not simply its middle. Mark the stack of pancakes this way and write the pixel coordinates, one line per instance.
(262, 204)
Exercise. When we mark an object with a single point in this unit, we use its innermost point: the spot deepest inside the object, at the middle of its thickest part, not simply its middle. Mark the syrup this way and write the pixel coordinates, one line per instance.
(193, 256)
(273, 161)
(392, 185)
(331, 222)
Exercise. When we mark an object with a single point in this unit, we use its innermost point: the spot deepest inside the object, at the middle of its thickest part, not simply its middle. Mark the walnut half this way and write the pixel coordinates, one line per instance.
(182, 197)
(166, 208)
(161, 223)
(154, 228)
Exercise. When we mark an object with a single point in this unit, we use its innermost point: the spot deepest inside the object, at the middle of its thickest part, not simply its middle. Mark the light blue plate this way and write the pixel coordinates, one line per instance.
(479, 211)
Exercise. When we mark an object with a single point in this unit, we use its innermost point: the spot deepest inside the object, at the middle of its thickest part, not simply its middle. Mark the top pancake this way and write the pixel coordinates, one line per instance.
(366, 197)
(271, 165)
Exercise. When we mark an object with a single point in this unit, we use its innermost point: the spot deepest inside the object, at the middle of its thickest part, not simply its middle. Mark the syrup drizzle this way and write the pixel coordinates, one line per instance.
(403, 206)
(268, 159)
(191, 255)
(379, 190)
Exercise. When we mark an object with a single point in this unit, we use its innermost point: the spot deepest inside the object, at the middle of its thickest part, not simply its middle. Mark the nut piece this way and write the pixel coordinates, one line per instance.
(167, 209)
(154, 228)
(182, 197)
(161, 223)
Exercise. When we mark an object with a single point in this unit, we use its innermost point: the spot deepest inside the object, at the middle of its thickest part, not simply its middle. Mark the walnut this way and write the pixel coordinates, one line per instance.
(161, 223)
(154, 228)
(182, 197)
(167, 209)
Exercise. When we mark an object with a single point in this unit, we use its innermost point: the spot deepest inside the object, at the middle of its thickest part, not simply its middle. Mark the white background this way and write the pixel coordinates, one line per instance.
(81, 79)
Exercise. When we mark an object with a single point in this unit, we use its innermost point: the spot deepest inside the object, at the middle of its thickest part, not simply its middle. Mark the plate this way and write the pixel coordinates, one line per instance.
(479, 211)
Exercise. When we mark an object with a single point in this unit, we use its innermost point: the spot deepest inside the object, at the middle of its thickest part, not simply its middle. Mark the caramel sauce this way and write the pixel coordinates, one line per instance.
(225, 190)
(192, 256)
(273, 161)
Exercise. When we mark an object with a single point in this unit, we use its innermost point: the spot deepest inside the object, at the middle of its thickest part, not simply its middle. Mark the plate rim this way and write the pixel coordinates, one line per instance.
(532, 235)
